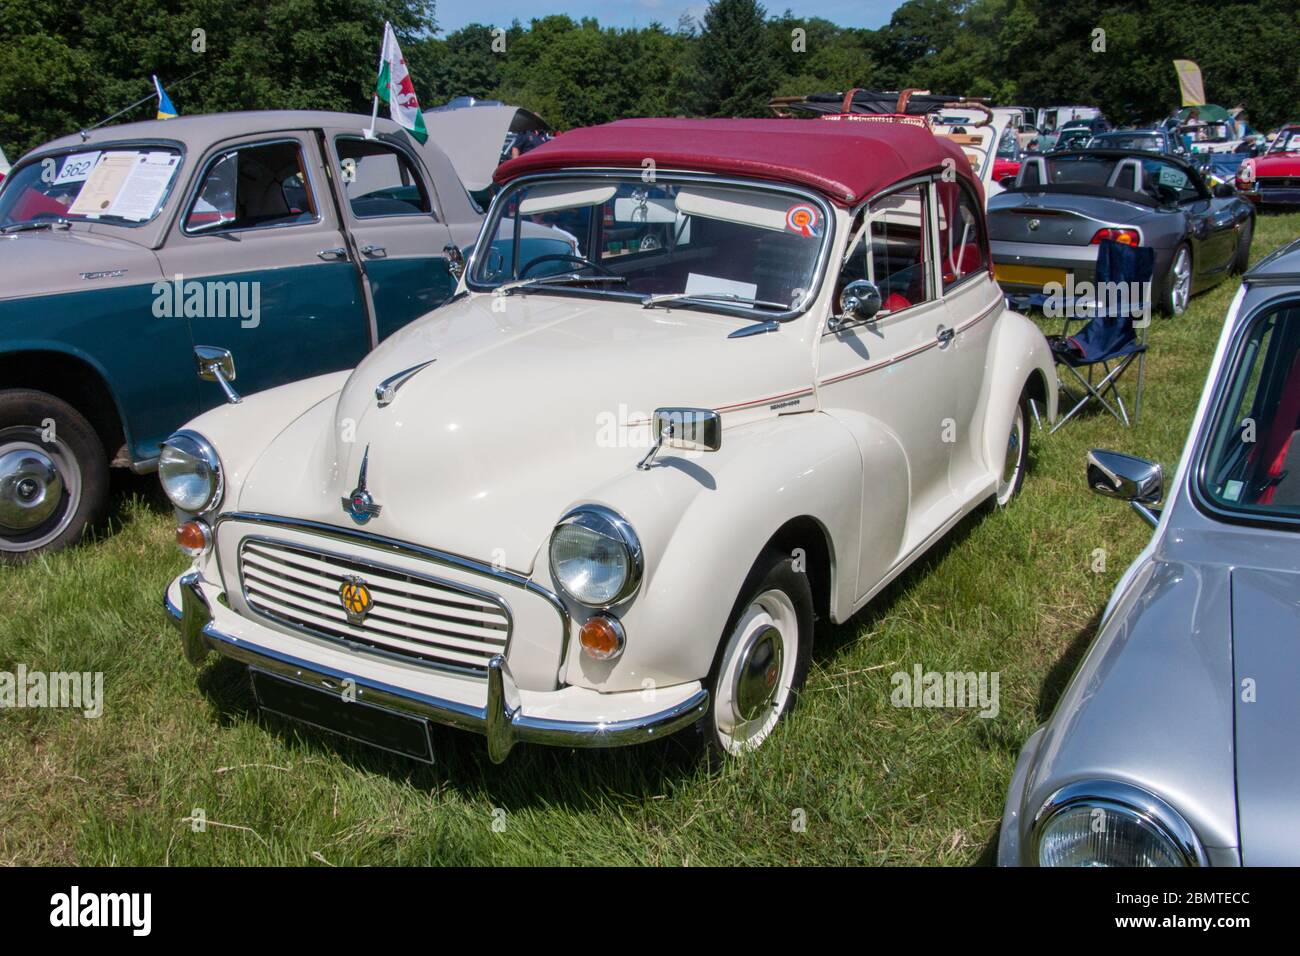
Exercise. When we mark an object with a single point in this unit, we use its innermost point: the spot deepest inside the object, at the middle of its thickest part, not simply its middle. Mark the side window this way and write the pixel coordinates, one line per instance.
(379, 180)
(891, 250)
(251, 186)
(961, 238)
(1253, 456)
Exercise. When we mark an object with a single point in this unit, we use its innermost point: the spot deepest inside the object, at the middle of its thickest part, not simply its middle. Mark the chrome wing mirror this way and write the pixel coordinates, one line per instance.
(217, 365)
(859, 302)
(1135, 480)
(692, 429)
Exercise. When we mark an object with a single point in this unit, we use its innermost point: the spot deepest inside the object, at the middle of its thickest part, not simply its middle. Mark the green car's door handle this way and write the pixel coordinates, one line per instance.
(329, 254)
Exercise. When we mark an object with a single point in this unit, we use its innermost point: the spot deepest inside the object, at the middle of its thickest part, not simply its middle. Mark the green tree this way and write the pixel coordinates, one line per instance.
(65, 66)
(733, 71)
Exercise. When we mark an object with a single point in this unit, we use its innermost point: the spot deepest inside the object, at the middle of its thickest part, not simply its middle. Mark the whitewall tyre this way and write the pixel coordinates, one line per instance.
(763, 658)
(1016, 455)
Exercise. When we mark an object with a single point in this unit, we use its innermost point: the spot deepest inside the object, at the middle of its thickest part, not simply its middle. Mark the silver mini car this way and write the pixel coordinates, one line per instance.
(1174, 743)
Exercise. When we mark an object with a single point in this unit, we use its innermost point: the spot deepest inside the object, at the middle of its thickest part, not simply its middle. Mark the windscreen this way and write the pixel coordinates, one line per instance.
(113, 185)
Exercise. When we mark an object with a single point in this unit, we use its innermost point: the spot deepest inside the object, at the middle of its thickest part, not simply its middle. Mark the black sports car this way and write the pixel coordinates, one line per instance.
(1049, 223)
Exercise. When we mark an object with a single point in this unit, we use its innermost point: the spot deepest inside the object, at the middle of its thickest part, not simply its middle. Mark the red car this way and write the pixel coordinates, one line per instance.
(1006, 164)
(1273, 179)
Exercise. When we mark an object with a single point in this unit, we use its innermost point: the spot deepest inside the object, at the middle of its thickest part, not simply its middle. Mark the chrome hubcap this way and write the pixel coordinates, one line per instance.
(758, 675)
(1182, 282)
(30, 489)
(40, 486)
(1011, 463)
(757, 671)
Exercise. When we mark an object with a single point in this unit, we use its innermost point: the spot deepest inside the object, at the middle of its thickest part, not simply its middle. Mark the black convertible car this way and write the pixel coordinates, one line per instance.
(1048, 225)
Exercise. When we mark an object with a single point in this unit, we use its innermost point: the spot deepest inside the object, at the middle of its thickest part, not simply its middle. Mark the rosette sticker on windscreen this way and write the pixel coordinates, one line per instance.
(804, 220)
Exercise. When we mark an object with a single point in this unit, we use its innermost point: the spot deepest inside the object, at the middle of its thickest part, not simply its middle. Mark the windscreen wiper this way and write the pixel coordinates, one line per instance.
(650, 301)
(34, 224)
(571, 278)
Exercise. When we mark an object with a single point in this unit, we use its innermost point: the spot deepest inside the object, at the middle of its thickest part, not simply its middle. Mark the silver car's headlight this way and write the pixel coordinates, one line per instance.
(595, 556)
(1107, 823)
(190, 472)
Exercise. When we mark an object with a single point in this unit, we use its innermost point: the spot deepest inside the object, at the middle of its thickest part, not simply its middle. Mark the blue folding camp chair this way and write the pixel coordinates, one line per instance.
(1110, 340)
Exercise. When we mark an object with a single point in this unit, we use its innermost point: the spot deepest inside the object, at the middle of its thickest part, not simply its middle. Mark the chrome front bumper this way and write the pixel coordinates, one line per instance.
(502, 719)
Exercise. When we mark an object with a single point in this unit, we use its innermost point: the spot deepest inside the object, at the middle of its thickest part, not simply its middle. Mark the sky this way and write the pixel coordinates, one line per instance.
(454, 14)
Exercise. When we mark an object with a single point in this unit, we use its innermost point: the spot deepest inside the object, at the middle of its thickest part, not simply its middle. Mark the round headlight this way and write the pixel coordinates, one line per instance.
(595, 557)
(190, 472)
(1105, 823)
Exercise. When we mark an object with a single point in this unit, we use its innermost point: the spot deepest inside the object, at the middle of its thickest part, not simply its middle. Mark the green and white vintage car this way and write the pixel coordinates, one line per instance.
(284, 244)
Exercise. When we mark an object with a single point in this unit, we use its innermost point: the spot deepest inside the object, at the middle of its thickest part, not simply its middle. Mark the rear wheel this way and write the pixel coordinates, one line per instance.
(1178, 282)
(53, 474)
(763, 659)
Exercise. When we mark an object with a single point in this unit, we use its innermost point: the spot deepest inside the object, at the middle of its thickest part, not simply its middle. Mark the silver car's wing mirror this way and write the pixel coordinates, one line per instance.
(1135, 480)
(859, 302)
(692, 429)
(217, 365)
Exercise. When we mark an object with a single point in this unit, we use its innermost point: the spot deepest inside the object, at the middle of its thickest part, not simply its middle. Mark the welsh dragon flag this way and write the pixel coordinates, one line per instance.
(394, 88)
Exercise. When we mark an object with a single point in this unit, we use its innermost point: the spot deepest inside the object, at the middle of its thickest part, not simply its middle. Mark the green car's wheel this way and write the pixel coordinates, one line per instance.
(53, 474)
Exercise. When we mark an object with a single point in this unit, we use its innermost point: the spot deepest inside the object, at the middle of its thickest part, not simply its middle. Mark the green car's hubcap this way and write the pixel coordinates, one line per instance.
(39, 489)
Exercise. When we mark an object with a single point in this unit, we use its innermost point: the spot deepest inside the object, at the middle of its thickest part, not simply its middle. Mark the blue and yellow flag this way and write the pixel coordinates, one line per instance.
(165, 108)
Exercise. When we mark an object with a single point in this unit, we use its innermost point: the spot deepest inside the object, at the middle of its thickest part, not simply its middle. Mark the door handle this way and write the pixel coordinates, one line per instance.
(944, 336)
(377, 251)
(336, 253)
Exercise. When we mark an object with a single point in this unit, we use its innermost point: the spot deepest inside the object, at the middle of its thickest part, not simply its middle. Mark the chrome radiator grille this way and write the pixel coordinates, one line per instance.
(407, 615)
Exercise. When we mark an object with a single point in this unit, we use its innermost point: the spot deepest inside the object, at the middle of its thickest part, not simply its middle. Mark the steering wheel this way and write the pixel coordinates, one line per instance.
(1166, 195)
(565, 257)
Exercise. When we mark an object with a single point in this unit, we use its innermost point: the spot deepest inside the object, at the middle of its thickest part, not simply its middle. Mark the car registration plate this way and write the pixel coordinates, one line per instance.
(1028, 275)
(328, 710)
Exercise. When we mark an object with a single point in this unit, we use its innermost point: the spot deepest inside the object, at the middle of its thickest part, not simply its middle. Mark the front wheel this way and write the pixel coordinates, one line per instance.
(1016, 457)
(53, 474)
(763, 658)
(1178, 283)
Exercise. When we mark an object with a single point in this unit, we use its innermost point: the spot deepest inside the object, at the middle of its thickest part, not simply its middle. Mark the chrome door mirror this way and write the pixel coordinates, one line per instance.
(455, 260)
(692, 429)
(217, 365)
(1135, 480)
(859, 302)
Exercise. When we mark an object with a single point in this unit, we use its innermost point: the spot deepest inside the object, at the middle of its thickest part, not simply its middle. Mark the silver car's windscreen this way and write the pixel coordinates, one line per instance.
(1251, 464)
(638, 239)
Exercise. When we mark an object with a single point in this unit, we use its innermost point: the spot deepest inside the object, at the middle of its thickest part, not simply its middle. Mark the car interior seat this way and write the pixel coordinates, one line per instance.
(1279, 453)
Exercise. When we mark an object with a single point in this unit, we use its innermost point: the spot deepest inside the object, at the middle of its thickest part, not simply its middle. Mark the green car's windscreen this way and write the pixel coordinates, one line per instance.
(115, 185)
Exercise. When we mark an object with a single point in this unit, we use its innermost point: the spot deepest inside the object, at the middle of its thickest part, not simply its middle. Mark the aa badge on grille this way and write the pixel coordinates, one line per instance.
(355, 597)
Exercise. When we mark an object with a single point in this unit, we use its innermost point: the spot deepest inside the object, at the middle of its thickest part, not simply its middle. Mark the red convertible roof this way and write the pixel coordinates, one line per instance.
(845, 160)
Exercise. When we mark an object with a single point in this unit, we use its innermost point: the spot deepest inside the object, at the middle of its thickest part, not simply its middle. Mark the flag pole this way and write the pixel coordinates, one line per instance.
(379, 71)
(85, 131)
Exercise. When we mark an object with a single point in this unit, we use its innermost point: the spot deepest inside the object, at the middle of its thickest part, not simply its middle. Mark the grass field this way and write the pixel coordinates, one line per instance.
(1013, 592)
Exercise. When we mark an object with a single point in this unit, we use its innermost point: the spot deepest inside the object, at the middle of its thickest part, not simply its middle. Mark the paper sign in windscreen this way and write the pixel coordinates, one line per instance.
(103, 184)
(698, 284)
(144, 187)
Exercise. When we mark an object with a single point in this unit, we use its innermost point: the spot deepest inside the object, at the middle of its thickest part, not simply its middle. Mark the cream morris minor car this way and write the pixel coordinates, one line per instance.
(602, 495)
